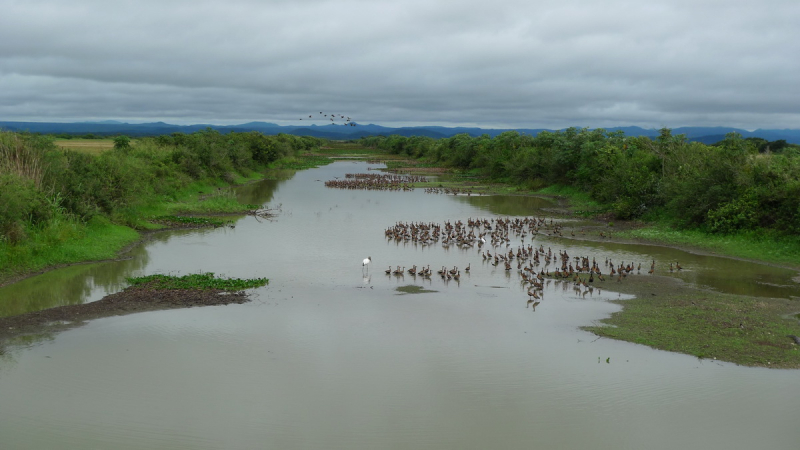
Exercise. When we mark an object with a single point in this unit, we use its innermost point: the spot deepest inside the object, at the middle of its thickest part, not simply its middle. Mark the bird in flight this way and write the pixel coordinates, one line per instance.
(334, 118)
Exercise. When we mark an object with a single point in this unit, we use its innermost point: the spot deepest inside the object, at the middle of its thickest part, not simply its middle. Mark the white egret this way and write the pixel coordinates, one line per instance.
(366, 262)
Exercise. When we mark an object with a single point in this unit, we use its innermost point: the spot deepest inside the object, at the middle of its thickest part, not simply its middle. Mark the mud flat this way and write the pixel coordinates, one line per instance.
(131, 300)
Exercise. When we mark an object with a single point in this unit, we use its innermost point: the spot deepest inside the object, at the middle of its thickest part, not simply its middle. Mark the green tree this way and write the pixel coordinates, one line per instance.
(122, 142)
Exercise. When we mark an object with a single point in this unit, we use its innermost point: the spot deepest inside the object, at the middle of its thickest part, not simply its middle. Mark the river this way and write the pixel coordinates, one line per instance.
(332, 356)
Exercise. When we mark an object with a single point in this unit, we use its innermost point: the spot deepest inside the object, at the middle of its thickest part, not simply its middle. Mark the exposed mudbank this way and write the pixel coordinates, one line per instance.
(131, 300)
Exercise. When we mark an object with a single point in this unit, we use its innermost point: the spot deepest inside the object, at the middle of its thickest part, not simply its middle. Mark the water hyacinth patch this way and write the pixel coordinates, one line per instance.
(197, 281)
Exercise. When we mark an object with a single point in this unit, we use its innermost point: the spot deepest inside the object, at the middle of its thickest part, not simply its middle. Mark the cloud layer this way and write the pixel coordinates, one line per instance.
(404, 62)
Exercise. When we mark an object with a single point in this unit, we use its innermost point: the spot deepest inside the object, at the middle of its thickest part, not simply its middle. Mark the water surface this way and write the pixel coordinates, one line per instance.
(330, 356)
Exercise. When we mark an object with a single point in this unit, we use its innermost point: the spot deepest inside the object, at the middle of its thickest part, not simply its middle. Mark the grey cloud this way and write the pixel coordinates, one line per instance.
(506, 63)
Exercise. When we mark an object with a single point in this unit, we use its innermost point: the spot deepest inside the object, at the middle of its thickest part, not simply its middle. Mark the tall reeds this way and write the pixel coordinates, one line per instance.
(21, 158)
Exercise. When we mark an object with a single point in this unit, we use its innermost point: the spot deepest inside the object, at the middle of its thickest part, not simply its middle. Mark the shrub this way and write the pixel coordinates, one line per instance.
(20, 203)
(122, 143)
(738, 214)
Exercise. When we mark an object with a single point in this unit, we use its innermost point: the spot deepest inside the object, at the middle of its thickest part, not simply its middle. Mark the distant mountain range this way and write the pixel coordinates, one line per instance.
(707, 135)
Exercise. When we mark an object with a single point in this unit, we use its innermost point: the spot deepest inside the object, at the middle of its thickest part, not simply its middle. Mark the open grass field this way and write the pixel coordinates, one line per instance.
(92, 146)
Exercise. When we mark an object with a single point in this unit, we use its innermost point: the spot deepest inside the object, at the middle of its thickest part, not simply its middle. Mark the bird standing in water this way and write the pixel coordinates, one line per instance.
(366, 262)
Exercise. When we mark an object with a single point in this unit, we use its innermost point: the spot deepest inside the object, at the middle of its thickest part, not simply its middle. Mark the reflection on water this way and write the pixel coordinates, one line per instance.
(70, 285)
(508, 205)
(261, 192)
(330, 355)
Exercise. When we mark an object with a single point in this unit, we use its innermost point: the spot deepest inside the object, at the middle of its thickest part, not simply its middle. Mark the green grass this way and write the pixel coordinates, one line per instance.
(222, 203)
(581, 202)
(198, 198)
(197, 281)
(301, 162)
(757, 245)
(67, 240)
(752, 245)
(64, 242)
(743, 330)
(192, 221)
(394, 162)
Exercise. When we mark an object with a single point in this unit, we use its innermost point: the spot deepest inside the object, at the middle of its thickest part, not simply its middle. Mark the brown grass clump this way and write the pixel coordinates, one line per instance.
(19, 158)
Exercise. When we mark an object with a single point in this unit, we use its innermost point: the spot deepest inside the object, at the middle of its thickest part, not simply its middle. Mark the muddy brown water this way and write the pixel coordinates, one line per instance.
(330, 356)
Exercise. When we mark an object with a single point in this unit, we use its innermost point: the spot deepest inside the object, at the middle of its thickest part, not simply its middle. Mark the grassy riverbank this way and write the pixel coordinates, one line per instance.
(758, 246)
(672, 316)
(69, 240)
(61, 206)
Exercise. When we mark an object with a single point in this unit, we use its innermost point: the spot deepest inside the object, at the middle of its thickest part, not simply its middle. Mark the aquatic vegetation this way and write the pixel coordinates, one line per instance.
(413, 289)
(197, 281)
(191, 221)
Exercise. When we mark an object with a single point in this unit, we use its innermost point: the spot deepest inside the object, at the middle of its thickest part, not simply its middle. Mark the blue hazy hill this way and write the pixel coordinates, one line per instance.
(706, 135)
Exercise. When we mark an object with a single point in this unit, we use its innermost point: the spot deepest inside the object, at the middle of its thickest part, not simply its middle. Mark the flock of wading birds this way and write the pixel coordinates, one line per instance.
(379, 182)
(493, 240)
(532, 264)
(390, 182)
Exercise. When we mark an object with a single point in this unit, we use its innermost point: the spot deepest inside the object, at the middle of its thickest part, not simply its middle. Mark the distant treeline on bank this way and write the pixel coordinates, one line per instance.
(735, 184)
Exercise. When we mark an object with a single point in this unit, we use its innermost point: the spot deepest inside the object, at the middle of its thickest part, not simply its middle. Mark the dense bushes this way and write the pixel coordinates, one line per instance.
(20, 204)
(39, 181)
(22, 169)
(736, 184)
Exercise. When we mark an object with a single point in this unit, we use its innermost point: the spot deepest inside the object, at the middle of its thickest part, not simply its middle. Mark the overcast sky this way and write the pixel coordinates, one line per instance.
(490, 63)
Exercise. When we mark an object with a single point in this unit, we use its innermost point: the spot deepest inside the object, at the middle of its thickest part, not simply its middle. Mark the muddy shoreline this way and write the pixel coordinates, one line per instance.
(132, 300)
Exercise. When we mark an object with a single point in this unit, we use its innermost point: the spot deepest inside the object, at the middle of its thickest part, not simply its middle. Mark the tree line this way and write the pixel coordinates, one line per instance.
(735, 184)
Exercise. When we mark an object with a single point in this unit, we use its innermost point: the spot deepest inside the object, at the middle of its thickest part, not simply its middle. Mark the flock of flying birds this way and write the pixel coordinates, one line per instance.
(335, 119)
